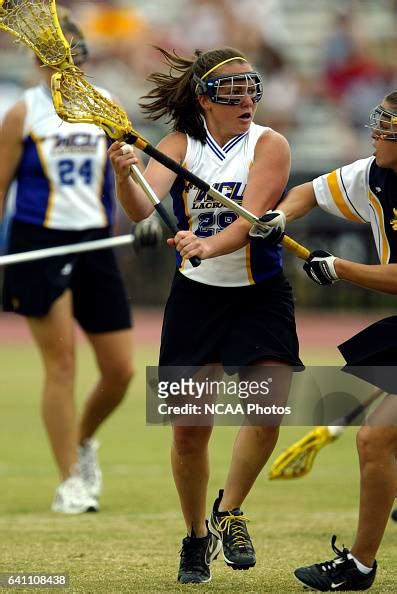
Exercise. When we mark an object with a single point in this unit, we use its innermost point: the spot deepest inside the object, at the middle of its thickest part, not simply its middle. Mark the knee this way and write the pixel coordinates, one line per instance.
(264, 434)
(125, 374)
(60, 367)
(119, 375)
(372, 443)
(190, 440)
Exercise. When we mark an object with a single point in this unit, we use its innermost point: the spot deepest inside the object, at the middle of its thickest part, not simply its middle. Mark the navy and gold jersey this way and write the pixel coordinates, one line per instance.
(365, 193)
(64, 180)
(226, 169)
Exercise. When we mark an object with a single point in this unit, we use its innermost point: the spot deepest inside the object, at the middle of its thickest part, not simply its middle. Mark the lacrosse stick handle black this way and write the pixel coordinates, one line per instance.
(162, 212)
(167, 161)
(194, 260)
(347, 419)
(143, 145)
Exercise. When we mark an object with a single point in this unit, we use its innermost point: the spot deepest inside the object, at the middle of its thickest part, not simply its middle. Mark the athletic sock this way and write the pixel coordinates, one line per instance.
(359, 565)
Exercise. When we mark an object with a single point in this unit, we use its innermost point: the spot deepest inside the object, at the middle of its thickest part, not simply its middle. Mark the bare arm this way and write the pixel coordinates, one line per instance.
(298, 202)
(380, 277)
(266, 181)
(11, 147)
(129, 193)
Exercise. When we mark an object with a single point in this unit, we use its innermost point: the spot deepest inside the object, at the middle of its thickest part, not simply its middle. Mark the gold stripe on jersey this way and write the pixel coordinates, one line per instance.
(51, 195)
(385, 248)
(333, 185)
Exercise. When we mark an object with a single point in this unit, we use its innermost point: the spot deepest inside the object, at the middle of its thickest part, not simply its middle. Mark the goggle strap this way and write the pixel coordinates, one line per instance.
(200, 85)
(218, 66)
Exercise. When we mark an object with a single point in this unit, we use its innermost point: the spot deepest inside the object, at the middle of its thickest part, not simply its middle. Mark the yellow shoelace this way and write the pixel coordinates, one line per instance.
(234, 525)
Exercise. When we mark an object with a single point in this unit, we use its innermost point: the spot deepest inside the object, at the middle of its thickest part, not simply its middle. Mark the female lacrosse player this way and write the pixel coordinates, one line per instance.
(236, 308)
(364, 191)
(64, 195)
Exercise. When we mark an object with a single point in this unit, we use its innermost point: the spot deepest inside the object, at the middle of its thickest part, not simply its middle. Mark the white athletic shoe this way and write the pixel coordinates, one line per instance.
(71, 497)
(90, 471)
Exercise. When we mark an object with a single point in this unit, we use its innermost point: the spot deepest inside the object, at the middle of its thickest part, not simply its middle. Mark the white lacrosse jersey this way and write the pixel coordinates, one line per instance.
(225, 169)
(64, 179)
(365, 193)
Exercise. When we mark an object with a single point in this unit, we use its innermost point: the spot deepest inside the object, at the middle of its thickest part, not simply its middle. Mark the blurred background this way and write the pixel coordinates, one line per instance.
(324, 64)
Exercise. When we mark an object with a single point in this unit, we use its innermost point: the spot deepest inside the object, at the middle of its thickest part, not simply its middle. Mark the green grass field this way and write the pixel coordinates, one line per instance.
(132, 545)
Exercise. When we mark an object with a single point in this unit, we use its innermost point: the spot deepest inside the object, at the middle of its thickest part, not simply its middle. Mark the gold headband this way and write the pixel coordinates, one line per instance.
(218, 66)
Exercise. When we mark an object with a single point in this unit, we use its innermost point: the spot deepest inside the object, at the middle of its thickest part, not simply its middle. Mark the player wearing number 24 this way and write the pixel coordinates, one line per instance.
(235, 309)
(65, 195)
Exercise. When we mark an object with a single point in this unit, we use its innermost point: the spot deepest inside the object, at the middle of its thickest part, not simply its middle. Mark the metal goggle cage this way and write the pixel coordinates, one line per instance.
(383, 123)
(231, 88)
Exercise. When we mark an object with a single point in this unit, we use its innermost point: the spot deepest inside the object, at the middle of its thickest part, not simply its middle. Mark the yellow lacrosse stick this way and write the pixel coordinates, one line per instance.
(298, 459)
(36, 24)
(76, 100)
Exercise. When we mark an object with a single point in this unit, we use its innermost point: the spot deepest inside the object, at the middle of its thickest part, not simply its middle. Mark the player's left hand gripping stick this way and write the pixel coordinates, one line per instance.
(139, 179)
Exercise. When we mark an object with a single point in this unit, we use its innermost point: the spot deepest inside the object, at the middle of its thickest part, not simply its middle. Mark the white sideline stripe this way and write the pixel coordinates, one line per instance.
(73, 248)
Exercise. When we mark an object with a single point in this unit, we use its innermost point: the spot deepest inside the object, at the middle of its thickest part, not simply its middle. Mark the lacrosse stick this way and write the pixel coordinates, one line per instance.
(61, 250)
(36, 24)
(76, 100)
(138, 177)
(298, 459)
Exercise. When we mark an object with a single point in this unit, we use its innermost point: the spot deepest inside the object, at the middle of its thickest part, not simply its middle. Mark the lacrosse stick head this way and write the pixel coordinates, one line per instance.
(297, 460)
(76, 100)
(36, 24)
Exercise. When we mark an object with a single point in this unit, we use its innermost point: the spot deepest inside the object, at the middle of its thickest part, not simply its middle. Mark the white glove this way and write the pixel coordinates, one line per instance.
(275, 225)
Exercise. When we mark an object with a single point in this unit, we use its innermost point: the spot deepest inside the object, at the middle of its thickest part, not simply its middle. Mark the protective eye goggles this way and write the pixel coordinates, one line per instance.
(383, 123)
(231, 88)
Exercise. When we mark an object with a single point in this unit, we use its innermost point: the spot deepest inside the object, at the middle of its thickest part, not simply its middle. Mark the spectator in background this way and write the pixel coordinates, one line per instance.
(353, 77)
(119, 32)
(282, 85)
(264, 19)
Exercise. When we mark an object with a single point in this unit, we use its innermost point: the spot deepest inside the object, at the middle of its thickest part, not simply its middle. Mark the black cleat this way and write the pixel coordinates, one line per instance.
(196, 556)
(231, 529)
(338, 575)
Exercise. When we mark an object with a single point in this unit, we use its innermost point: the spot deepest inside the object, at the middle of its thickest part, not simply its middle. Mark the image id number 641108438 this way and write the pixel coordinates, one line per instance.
(33, 580)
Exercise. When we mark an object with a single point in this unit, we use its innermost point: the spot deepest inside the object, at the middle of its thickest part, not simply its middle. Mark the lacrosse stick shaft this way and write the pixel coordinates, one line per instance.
(347, 419)
(298, 249)
(297, 460)
(73, 248)
(139, 178)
